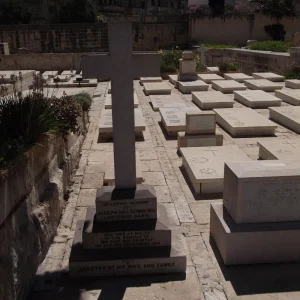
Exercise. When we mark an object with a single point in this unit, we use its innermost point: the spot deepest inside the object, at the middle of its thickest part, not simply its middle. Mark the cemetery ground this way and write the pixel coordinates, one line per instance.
(206, 278)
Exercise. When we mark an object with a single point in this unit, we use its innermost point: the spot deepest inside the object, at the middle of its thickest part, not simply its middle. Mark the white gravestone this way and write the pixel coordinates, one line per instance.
(150, 80)
(292, 83)
(279, 149)
(199, 140)
(202, 49)
(208, 78)
(173, 119)
(211, 100)
(202, 122)
(256, 99)
(263, 84)
(262, 191)
(239, 77)
(288, 116)
(157, 88)
(186, 87)
(269, 76)
(244, 122)
(228, 86)
(205, 166)
(289, 96)
(166, 101)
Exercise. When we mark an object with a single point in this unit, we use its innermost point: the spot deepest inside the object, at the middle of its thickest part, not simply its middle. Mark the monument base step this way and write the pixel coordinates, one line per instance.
(198, 140)
(81, 264)
(253, 243)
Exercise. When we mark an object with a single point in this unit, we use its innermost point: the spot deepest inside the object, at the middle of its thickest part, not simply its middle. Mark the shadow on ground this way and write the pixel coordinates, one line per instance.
(260, 278)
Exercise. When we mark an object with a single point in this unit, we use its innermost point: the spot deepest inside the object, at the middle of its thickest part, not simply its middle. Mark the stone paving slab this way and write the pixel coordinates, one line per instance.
(157, 88)
(289, 96)
(208, 78)
(263, 84)
(166, 101)
(186, 87)
(211, 100)
(292, 83)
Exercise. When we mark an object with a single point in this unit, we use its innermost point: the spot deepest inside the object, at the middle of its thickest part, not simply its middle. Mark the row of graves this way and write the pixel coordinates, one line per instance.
(126, 232)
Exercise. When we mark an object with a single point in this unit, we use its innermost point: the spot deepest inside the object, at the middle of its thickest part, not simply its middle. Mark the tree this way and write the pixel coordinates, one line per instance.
(14, 12)
(280, 8)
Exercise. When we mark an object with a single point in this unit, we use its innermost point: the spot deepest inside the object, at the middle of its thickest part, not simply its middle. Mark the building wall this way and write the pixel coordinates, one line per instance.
(235, 30)
(90, 37)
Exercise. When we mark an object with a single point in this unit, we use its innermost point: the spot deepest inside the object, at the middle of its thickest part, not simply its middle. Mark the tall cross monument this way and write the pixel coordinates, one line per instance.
(122, 66)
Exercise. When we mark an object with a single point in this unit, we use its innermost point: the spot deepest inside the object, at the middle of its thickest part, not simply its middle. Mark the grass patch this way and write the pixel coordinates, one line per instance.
(275, 46)
(84, 99)
(226, 66)
(219, 46)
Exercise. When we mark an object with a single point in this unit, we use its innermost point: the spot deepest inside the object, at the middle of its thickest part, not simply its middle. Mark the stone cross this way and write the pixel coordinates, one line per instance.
(202, 51)
(122, 66)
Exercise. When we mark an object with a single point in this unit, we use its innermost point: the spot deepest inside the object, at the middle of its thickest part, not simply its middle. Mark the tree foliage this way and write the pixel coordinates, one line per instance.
(279, 8)
(14, 12)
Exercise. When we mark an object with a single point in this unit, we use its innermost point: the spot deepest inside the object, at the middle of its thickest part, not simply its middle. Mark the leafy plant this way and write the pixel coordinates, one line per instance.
(293, 72)
(219, 46)
(280, 8)
(275, 31)
(227, 66)
(275, 46)
(170, 60)
(84, 99)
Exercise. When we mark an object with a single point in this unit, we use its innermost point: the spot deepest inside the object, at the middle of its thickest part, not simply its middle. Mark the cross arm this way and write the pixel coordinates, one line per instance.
(146, 64)
(96, 66)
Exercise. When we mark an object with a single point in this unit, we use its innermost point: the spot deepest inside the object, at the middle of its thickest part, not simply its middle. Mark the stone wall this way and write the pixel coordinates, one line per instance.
(250, 61)
(235, 30)
(31, 202)
(89, 37)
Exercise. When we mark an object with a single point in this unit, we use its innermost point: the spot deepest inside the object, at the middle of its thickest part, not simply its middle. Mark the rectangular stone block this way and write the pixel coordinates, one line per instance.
(292, 83)
(174, 80)
(113, 205)
(187, 66)
(205, 166)
(215, 70)
(263, 84)
(62, 78)
(228, 86)
(166, 101)
(208, 78)
(288, 116)
(211, 99)
(173, 119)
(109, 173)
(256, 99)
(239, 77)
(186, 87)
(244, 122)
(289, 96)
(202, 122)
(204, 140)
(109, 88)
(279, 149)
(157, 88)
(187, 55)
(50, 74)
(150, 80)
(253, 243)
(269, 76)
(262, 191)
(71, 73)
(108, 101)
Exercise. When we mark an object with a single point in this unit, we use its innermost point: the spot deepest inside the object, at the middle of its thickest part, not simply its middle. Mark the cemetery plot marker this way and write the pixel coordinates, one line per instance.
(269, 76)
(211, 100)
(289, 96)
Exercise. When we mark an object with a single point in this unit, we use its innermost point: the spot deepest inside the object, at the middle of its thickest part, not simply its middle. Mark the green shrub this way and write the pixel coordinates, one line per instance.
(219, 46)
(24, 120)
(275, 46)
(170, 60)
(226, 66)
(275, 31)
(293, 72)
(84, 99)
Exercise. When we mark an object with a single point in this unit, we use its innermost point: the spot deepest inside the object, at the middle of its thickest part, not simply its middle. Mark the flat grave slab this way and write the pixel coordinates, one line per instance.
(72, 73)
(228, 86)
(187, 87)
(256, 99)
(269, 76)
(150, 80)
(289, 96)
(109, 169)
(211, 100)
(174, 80)
(263, 84)
(157, 88)
(62, 78)
(166, 101)
(106, 126)
(50, 74)
(288, 116)
(279, 149)
(239, 77)
(292, 83)
(208, 78)
(174, 119)
(213, 69)
(205, 166)
(199, 140)
(244, 122)
(108, 101)
(71, 84)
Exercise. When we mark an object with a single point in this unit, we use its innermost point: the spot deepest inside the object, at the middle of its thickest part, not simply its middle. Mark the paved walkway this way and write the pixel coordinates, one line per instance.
(206, 277)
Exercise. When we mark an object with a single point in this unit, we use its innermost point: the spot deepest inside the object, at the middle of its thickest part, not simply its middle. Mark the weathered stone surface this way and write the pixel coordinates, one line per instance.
(174, 80)
(263, 84)
(286, 116)
(186, 87)
(244, 122)
(157, 88)
(202, 122)
(256, 99)
(50, 74)
(228, 86)
(150, 80)
(289, 96)
(166, 101)
(71, 73)
(292, 83)
(269, 76)
(211, 100)
(208, 78)
(198, 140)
(239, 77)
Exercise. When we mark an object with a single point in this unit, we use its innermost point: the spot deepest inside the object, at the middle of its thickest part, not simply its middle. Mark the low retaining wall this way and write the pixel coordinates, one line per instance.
(31, 202)
(250, 61)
